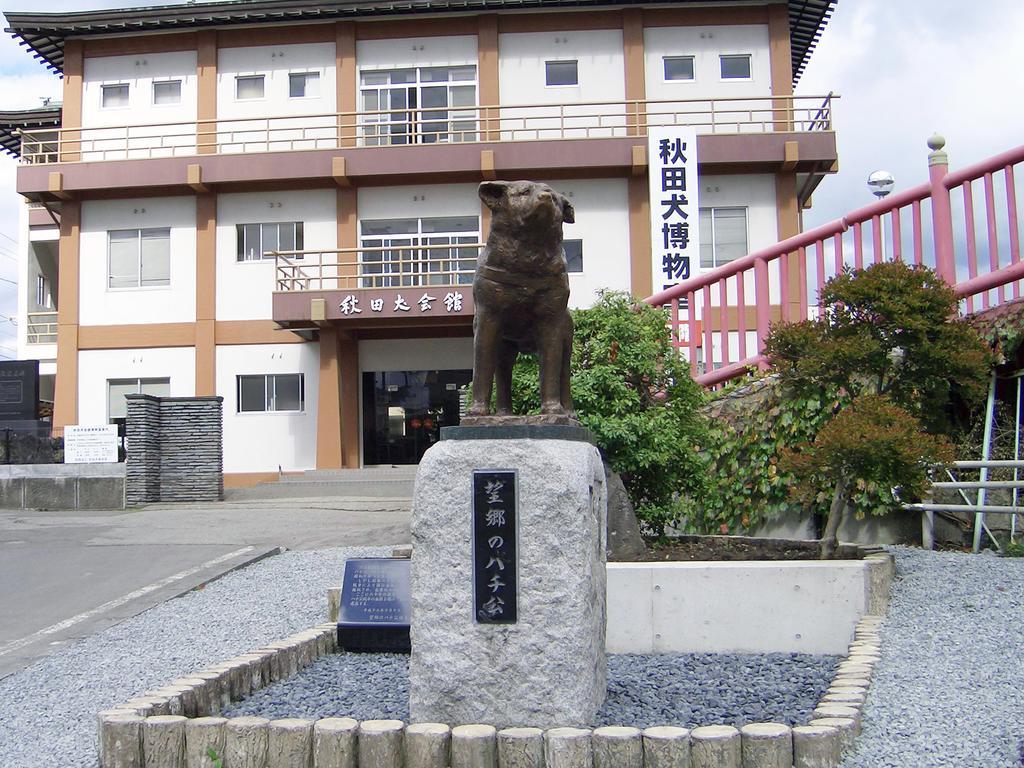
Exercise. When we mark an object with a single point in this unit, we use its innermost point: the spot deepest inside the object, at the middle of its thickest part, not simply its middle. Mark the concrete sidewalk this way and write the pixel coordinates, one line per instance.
(68, 574)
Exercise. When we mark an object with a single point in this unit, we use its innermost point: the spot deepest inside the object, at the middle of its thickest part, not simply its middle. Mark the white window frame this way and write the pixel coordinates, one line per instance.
(138, 381)
(138, 252)
(242, 253)
(306, 73)
(128, 96)
(574, 240)
(709, 236)
(166, 82)
(377, 123)
(693, 69)
(270, 393)
(393, 273)
(562, 85)
(262, 76)
(750, 67)
(44, 298)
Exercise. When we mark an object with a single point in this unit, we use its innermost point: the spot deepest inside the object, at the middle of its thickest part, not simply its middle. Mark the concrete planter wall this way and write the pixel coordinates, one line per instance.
(743, 607)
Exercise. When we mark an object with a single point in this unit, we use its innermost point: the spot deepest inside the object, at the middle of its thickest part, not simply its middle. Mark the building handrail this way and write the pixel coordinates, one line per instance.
(462, 124)
(328, 269)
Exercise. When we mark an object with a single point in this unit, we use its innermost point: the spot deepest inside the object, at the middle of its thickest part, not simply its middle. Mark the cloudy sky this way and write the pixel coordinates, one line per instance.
(904, 70)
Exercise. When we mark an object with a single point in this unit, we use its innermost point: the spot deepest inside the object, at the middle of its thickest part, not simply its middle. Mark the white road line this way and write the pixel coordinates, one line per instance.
(21, 643)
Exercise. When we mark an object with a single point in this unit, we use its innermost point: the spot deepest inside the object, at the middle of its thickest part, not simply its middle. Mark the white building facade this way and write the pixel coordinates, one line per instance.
(285, 214)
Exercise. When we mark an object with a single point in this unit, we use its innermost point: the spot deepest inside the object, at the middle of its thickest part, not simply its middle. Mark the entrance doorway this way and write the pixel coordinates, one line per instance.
(403, 412)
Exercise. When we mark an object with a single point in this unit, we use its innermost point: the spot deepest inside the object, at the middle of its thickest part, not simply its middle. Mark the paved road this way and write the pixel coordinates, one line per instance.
(65, 575)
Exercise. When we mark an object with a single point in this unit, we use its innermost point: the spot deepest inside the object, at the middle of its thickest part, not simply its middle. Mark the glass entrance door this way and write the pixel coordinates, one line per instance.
(403, 412)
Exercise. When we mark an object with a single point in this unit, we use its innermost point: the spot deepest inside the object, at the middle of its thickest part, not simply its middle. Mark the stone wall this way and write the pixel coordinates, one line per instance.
(175, 449)
(62, 486)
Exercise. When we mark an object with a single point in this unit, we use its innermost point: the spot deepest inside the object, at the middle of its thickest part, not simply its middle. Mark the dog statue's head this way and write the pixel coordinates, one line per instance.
(526, 203)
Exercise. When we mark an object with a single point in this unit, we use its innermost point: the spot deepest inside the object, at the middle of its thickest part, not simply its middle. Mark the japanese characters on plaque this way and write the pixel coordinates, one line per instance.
(495, 587)
(672, 166)
(446, 303)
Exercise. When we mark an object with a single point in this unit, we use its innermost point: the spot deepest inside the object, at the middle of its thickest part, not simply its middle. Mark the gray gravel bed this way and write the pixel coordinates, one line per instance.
(47, 710)
(678, 689)
(949, 688)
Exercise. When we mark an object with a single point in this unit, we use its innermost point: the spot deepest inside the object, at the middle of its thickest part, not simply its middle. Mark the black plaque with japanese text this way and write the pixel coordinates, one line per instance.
(375, 605)
(495, 586)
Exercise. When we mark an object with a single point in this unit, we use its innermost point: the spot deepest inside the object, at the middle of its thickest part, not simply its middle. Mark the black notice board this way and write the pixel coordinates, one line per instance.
(495, 566)
(375, 605)
(19, 390)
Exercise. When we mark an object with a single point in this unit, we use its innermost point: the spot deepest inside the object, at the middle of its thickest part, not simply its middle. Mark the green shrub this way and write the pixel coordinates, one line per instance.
(634, 392)
(887, 330)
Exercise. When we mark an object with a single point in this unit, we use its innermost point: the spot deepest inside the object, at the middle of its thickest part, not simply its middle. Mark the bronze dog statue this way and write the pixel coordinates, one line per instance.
(521, 293)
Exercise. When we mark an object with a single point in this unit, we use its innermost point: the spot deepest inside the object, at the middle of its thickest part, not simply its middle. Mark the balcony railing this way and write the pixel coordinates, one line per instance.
(42, 328)
(499, 123)
(950, 223)
(397, 266)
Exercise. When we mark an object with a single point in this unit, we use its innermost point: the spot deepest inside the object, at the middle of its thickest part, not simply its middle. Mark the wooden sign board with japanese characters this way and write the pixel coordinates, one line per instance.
(495, 584)
(672, 168)
(422, 301)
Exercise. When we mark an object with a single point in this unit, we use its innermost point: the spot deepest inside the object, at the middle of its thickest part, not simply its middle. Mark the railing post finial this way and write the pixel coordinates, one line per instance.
(937, 156)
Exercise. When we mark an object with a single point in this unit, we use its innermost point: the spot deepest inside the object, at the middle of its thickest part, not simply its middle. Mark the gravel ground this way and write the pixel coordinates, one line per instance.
(947, 692)
(680, 689)
(949, 689)
(47, 710)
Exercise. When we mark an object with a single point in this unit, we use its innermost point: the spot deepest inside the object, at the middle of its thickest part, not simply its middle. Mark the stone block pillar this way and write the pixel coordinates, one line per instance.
(174, 449)
(548, 668)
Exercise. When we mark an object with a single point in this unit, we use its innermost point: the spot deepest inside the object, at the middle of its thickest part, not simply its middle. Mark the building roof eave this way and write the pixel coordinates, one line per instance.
(13, 122)
(45, 33)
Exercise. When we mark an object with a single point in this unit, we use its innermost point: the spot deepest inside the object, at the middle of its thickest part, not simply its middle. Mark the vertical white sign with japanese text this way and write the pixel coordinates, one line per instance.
(672, 167)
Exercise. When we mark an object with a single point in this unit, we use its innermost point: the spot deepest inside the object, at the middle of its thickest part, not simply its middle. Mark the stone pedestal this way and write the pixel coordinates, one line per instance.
(548, 668)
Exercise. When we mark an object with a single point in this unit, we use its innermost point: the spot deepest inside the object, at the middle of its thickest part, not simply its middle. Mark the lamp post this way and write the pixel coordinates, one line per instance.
(880, 184)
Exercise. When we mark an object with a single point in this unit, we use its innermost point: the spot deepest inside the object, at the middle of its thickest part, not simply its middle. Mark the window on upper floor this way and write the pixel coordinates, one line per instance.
(561, 73)
(166, 92)
(419, 105)
(114, 96)
(404, 260)
(117, 406)
(271, 392)
(256, 241)
(723, 236)
(44, 300)
(303, 85)
(573, 255)
(735, 67)
(678, 67)
(138, 258)
(250, 87)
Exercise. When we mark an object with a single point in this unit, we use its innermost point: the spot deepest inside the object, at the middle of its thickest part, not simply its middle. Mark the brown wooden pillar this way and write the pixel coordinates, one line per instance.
(71, 109)
(781, 64)
(635, 74)
(206, 294)
(206, 109)
(65, 406)
(328, 409)
(348, 362)
(640, 278)
(487, 74)
(788, 213)
(347, 85)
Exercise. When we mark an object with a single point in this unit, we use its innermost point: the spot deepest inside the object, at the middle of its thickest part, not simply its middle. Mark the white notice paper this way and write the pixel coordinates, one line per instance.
(90, 445)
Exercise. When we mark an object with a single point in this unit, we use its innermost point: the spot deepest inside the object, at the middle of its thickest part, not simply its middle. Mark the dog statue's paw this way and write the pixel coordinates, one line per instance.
(477, 409)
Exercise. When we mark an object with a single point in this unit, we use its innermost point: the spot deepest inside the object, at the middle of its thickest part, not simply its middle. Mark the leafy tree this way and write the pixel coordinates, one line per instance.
(634, 392)
(871, 445)
(889, 346)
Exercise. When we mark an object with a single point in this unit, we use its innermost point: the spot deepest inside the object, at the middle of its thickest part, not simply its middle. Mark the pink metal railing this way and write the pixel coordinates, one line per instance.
(721, 317)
